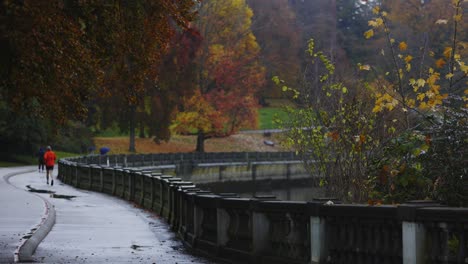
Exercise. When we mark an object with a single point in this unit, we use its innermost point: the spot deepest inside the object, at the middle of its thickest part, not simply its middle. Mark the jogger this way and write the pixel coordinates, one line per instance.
(49, 158)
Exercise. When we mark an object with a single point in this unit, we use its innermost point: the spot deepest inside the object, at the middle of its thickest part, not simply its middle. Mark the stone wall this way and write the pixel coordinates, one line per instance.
(266, 230)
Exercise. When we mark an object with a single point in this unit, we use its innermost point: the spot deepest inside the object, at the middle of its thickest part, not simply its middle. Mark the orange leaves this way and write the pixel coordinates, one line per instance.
(408, 58)
(440, 63)
(230, 71)
(403, 46)
(334, 135)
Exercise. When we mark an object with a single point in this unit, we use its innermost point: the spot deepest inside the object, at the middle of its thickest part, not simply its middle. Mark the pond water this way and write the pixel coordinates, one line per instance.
(304, 190)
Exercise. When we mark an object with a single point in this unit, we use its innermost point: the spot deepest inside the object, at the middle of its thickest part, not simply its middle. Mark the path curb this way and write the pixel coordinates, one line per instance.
(32, 239)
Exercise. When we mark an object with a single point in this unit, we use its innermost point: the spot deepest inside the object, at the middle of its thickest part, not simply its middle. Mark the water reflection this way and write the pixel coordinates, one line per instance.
(303, 190)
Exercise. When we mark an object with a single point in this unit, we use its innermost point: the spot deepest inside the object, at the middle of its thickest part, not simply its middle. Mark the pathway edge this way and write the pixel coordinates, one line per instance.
(28, 246)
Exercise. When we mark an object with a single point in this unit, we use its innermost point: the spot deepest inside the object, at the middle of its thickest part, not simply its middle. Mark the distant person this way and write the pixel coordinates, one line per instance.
(91, 149)
(104, 150)
(40, 159)
(49, 159)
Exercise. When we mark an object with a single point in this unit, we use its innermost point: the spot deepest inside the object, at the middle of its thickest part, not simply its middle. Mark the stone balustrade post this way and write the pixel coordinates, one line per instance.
(90, 178)
(197, 220)
(222, 226)
(318, 235)
(413, 233)
(260, 232)
(101, 179)
(317, 240)
(114, 183)
(131, 185)
(76, 175)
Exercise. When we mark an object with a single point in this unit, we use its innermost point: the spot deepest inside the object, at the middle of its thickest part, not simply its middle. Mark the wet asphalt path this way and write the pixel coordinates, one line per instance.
(89, 227)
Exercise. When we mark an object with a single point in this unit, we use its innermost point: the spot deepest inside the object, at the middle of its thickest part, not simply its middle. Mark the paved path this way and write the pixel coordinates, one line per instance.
(89, 227)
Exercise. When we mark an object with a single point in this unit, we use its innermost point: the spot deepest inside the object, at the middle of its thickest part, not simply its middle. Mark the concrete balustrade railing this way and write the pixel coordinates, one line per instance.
(265, 230)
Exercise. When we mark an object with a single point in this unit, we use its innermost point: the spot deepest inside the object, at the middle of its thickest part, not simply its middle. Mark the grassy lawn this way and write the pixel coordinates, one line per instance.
(112, 131)
(267, 115)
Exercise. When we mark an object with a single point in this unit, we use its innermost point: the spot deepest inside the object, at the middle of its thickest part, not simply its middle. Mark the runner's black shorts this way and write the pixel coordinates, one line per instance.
(49, 167)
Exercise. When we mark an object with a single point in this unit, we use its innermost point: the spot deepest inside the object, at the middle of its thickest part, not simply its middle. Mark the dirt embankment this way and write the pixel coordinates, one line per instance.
(238, 142)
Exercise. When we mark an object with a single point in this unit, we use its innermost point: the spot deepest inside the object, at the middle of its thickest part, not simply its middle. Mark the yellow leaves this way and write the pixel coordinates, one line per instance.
(421, 82)
(449, 76)
(423, 106)
(440, 63)
(431, 97)
(376, 22)
(364, 67)
(447, 52)
(276, 80)
(408, 67)
(463, 67)
(421, 96)
(458, 17)
(408, 58)
(369, 33)
(384, 101)
(433, 78)
(403, 46)
(377, 108)
(376, 10)
(416, 84)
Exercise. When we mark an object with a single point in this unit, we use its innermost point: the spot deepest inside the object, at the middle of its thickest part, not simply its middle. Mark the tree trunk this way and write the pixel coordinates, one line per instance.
(142, 129)
(200, 142)
(131, 146)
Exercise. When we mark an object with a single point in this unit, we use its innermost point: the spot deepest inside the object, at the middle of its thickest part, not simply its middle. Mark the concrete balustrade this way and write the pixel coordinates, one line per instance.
(265, 230)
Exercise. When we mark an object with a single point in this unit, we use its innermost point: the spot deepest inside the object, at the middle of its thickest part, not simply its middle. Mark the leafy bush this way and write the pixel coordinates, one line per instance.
(75, 138)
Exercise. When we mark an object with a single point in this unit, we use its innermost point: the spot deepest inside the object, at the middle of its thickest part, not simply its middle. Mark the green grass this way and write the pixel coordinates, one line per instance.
(113, 131)
(267, 115)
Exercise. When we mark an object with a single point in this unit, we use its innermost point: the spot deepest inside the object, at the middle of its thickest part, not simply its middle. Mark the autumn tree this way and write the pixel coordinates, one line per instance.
(133, 36)
(228, 73)
(48, 71)
(176, 81)
(399, 133)
(430, 147)
(61, 56)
